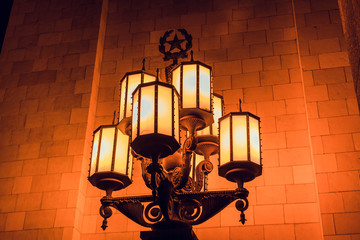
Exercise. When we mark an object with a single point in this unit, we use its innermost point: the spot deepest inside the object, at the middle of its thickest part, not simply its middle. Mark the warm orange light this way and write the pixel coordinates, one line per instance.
(110, 151)
(193, 82)
(218, 112)
(240, 138)
(127, 86)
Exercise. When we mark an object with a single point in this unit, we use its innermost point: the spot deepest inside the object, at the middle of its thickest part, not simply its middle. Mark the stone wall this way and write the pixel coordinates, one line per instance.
(287, 60)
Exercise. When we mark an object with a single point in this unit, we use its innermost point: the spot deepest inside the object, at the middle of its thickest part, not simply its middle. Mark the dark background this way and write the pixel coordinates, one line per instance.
(5, 8)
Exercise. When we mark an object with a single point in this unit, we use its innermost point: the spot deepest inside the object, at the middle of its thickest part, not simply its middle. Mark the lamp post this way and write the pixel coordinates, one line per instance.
(149, 130)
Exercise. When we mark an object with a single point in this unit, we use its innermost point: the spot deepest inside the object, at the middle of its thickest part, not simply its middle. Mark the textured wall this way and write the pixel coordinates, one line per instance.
(288, 65)
(47, 69)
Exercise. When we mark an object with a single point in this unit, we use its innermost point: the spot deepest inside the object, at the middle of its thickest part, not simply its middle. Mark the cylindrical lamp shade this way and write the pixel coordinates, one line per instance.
(155, 120)
(240, 149)
(111, 161)
(194, 83)
(218, 110)
(127, 86)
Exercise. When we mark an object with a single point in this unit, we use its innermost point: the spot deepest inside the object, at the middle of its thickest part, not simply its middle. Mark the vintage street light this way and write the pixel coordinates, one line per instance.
(151, 115)
(111, 161)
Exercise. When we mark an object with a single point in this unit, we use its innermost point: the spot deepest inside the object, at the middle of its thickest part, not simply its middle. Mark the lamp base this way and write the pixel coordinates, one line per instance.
(243, 171)
(174, 230)
(109, 181)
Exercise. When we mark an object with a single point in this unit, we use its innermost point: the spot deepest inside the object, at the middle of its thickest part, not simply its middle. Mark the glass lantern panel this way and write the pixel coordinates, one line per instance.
(106, 149)
(254, 140)
(149, 78)
(94, 154)
(121, 153)
(189, 86)
(217, 101)
(204, 93)
(122, 99)
(134, 81)
(130, 166)
(176, 117)
(147, 110)
(225, 141)
(135, 113)
(165, 122)
(176, 79)
(239, 135)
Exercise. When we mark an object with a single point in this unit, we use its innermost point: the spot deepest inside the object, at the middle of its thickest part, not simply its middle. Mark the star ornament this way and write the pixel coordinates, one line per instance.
(175, 43)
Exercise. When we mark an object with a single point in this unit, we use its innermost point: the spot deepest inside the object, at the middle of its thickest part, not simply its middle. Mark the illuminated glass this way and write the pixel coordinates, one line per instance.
(122, 99)
(95, 149)
(133, 81)
(204, 85)
(225, 141)
(165, 110)
(130, 166)
(122, 152)
(254, 140)
(189, 86)
(239, 136)
(106, 149)
(176, 117)
(176, 79)
(147, 110)
(148, 78)
(135, 113)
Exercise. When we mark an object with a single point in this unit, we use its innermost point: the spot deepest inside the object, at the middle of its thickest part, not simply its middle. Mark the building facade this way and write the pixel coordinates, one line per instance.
(288, 60)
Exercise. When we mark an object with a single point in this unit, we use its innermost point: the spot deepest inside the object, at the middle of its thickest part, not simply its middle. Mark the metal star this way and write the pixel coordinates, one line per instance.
(175, 43)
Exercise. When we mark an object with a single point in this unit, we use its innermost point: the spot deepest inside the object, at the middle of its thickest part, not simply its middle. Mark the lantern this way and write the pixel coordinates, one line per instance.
(218, 110)
(127, 86)
(240, 153)
(111, 161)
(193, 82)
(155, 120)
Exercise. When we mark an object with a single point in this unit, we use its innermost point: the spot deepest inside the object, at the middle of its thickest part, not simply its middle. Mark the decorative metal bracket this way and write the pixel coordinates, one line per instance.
(193, 208)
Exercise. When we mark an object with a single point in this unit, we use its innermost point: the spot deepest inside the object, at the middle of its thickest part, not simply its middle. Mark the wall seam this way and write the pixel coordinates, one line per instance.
(307, 117)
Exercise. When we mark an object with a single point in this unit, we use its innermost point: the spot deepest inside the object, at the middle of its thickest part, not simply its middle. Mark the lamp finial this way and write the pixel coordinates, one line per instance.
(240, 109)
(143, 64)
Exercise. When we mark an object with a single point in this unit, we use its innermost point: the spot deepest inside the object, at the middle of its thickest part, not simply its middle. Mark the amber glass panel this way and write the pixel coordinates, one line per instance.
(122, 99)
(217, 101)
(149, 78)
(94, 154)
(239, 136)
(225, 141)
(254, 140)
(106, 149)
(134, 81)
(176, 79)
(176, 117)
(121, 154)
(135, 113)
(130, 166)
(147, 110)
(189, 86)
(204, 93)
(165, 122)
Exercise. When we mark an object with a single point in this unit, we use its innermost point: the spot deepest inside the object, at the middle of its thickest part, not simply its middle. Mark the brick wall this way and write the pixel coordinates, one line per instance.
(47, 70)
(288, 65)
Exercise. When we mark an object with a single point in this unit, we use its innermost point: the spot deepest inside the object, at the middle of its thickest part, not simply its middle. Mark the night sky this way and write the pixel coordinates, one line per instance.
(5, 8)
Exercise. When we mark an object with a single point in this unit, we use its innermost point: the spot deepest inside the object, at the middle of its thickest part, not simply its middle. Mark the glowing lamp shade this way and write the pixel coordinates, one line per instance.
(127, 86)
(240, 149)
(218, 110)
(193, 82)
(155, 120)
(111, 161)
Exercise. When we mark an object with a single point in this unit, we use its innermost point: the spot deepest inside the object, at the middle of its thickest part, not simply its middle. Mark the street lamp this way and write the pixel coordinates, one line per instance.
(149, 130)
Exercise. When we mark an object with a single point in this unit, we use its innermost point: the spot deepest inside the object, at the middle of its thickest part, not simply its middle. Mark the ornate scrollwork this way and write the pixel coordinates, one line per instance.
(242, 205)
(189, 209)
(202, 169)
(105, 212)
(153, 213)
